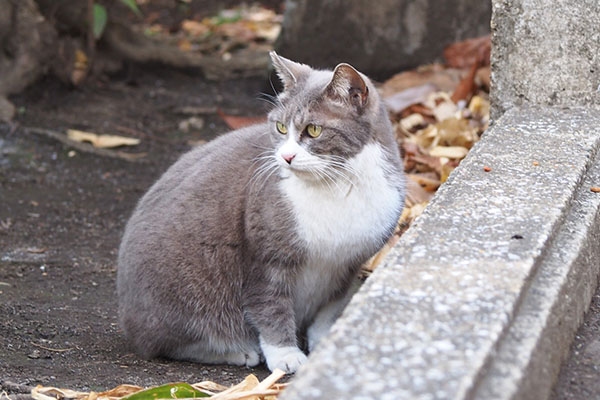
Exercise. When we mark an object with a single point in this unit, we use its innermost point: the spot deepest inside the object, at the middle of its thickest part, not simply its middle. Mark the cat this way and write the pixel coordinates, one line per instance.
(231, 255)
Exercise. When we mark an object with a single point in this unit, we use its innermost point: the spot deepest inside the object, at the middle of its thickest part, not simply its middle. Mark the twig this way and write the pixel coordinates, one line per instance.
(85, 147)
(15, 387)
(49, 349)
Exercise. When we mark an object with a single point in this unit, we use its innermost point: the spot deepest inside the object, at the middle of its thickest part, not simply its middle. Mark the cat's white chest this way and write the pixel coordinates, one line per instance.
(338, 224)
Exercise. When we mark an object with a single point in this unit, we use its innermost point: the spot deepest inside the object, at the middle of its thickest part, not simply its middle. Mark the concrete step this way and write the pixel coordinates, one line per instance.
(481, 297)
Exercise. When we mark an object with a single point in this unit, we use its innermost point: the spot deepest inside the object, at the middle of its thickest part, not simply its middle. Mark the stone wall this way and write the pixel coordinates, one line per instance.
(379, 37)
(545, 52)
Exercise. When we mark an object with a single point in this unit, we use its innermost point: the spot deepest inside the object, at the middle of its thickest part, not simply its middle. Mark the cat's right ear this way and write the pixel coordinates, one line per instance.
(289, 72)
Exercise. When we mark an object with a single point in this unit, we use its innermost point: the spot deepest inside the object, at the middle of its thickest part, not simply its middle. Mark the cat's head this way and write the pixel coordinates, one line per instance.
(322, 118)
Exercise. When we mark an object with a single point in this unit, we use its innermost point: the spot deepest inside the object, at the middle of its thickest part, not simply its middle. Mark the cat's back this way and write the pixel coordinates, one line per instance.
(195, 198)
(222, 163)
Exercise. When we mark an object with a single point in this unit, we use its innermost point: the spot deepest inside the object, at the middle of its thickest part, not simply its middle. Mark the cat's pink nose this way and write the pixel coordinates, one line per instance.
(288, 157)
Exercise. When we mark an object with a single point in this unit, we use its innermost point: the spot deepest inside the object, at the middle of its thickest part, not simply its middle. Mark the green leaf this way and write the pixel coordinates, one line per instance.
(133, 6)
(99, 20)
(170, 391)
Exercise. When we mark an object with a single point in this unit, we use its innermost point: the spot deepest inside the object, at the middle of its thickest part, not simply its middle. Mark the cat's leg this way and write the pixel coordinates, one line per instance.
(269, 309)
(327, 315)
(198, 352)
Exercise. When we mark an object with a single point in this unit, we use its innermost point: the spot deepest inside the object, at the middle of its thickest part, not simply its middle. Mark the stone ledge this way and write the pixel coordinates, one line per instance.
(481, 297)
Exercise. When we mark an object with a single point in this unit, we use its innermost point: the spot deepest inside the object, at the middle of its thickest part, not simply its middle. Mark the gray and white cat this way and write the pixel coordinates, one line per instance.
(234, 251)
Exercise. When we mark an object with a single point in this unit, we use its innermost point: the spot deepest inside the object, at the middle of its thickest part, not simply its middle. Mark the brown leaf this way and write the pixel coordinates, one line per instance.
(466, 53)
(426, 181)
(237, 122)
(444, 79)
(415, 194)
(466, 87)
(407, 97)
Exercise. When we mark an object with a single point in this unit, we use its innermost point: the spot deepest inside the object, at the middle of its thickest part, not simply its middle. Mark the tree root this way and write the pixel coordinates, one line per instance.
(136, 47)
(86, 147)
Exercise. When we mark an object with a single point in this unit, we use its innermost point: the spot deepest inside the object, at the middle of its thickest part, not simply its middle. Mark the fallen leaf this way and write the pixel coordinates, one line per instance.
(120, 391)
(36, 250)
(428, 183)
(407, 97)
(466, 53)
(195, 28)
(178, 390)
(237, 122)
(444, 79)
(101, 141)
(480, 107)
(595, 189)
(483, 77)
(415, 194)
(449, 151)
(442, 106)
(466, 87)
(413, 122)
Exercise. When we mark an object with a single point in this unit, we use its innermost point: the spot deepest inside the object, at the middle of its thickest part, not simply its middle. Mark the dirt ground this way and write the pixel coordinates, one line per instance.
(62, 214)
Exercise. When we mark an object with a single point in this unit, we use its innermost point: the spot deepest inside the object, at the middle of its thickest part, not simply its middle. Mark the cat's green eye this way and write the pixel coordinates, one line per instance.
(281, 128)
(314, 130)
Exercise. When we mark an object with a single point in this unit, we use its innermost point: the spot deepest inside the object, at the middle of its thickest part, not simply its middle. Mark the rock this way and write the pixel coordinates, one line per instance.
(545, 52)
(191, 124)
(378, 38)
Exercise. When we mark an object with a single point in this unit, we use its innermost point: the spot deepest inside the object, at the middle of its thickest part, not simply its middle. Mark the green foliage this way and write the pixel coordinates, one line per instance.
(169, 391)
(132, 6)
(100, 18)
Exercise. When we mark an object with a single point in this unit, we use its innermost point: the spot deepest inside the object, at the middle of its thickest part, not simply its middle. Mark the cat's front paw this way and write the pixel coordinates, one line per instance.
(288, 359)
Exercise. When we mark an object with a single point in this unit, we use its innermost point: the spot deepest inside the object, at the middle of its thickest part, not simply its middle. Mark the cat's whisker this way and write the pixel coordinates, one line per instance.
(262, 170)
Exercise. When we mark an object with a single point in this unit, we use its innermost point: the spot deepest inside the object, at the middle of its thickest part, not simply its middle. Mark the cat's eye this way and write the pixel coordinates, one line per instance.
(314, 130)
(281, 128)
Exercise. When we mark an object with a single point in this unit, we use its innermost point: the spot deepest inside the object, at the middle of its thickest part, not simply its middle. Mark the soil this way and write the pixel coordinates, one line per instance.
(61, 218)
(62, 214)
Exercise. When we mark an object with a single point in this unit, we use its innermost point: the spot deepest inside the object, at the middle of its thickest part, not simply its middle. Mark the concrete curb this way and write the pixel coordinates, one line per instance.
(480, 299)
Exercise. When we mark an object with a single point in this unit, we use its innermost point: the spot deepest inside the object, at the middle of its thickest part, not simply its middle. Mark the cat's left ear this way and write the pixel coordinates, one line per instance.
(348, 85)
(289, 72)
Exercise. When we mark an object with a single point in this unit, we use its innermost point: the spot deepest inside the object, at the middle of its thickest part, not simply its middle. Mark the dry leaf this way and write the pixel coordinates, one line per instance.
(480, 107)
(464, 54)
(449, 151)
(425, 181)
(412, 122)
(195, 28)
(101, 141)
(466, 87)
(407, 97)
(444, 79)
(415, 194)
(236, 122)
(483, 77)
(442, 106)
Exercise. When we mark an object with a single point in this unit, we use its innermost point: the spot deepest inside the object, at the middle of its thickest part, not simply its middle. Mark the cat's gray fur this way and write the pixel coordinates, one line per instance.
(209, 264)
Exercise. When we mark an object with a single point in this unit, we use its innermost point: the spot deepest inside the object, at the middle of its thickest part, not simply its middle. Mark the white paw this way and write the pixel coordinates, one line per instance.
(252, 359)
(287, 359)
(249, 359)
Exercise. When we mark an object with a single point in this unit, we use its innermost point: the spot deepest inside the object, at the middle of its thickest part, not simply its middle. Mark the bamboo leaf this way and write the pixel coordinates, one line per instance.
(170, 391)
(133, 6)
(100, 18)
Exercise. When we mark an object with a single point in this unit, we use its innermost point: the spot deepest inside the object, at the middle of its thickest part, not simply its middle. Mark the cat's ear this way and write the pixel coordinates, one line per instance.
(348, 85)
(289, 72)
